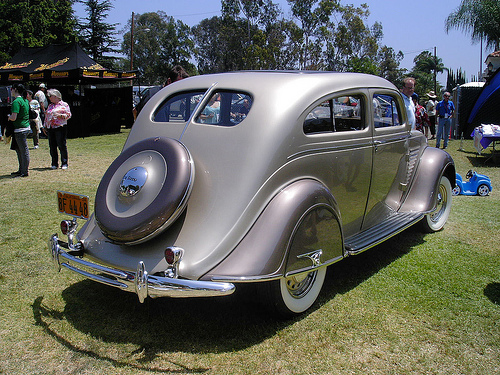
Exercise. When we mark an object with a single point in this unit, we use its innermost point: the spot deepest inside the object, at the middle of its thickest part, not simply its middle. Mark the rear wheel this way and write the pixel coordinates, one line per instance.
(293, 295)
(456, 190)
(483, 190)
(435, 220)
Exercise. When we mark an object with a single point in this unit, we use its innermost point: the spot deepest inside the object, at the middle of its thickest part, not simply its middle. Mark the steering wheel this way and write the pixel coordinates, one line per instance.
(469, 174)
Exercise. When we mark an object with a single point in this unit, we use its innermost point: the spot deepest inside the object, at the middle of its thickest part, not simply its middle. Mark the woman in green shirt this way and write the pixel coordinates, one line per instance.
(20, 118)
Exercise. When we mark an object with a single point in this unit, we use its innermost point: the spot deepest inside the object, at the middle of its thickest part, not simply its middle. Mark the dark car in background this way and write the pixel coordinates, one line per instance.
(5, 97)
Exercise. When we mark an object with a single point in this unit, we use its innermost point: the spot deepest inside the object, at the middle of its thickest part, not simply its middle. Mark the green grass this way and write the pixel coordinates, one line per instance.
(417, 304)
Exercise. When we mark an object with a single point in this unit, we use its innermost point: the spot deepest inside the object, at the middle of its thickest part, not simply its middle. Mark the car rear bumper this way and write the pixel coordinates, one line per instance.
(139, 282)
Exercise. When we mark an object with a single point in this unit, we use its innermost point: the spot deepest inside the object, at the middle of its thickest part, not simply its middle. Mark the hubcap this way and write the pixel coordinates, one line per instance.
(299, 285)
(133, 181)
(441, 204)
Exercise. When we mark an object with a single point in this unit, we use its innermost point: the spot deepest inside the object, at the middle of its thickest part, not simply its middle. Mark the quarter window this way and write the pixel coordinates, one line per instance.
(178, 108)
(225, 108)
(341, 113)
(386, 111)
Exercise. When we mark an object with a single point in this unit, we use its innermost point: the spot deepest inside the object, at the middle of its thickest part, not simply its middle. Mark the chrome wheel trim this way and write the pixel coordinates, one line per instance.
(435, 220)
(300, 291)
(442, 200)
(483, 190)
(299, 285)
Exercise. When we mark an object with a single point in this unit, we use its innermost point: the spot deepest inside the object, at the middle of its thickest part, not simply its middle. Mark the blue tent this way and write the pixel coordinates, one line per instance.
(486, 93)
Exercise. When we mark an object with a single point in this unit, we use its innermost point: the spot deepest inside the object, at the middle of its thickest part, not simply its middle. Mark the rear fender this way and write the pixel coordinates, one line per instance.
(422, 196)
(285, 237)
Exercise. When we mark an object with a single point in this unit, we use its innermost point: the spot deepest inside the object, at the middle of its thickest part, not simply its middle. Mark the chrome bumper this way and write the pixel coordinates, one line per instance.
(140, 282)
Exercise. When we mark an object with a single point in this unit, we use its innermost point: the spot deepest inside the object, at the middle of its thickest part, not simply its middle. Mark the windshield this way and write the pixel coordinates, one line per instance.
(224, 108)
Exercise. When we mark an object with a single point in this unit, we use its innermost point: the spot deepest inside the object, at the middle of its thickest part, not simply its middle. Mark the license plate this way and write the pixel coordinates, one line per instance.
(76, 205)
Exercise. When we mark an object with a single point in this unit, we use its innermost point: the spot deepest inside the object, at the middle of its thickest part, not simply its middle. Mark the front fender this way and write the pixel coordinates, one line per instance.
(434, 163)
(279, 230)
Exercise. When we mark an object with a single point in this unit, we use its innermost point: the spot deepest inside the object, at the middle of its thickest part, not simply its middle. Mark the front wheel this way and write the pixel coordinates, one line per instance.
(293, 295)
(483, 190)
(435, 220)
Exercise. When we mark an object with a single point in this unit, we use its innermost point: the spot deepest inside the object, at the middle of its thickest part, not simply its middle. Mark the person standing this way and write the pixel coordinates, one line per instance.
(19, 116)
(421, 118)
(407, 90)
(445, 110)
(42, 99)
(430, 107)
(34, 122)
(56, 119)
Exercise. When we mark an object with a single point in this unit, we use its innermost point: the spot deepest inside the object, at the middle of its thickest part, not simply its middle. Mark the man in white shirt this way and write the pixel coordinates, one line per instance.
(42, 98)
(407, 91)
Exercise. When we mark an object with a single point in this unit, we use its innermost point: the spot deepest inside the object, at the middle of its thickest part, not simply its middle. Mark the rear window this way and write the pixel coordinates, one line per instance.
(225, 108)
(179, 107)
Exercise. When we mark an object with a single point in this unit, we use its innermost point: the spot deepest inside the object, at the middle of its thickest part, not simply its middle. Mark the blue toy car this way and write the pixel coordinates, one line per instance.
(477, 184)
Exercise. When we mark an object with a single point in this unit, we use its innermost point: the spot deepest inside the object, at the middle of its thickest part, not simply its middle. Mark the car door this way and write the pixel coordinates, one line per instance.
(338, 131)
(390, 156)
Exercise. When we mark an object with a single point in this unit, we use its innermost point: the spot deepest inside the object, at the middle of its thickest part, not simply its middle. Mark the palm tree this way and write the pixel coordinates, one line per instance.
(480, 18)
(428, 63)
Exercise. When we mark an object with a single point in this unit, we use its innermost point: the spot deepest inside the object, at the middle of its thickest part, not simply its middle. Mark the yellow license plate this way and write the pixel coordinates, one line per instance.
(73, 204)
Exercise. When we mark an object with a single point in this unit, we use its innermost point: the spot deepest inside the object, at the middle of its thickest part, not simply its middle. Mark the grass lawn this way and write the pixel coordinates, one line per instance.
(417, 304)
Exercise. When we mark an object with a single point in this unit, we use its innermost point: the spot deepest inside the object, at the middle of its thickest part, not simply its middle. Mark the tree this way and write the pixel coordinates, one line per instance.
(429, 64)
(97, 37)
(313, 17)
(34, 23)
(159, 43)
(480, 18)
(248, 35)
(389, 65)
(221, 44)
(455, 79)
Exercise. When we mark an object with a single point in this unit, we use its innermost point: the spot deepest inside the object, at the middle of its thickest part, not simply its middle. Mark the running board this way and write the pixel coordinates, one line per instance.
(371, 237)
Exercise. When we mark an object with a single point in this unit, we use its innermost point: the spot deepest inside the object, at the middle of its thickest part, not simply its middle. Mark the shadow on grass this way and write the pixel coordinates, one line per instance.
(202, 325)
(492, 291)
(484, 160)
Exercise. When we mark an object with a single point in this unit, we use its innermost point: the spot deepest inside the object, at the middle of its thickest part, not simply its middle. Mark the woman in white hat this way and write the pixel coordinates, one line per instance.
(430, 107)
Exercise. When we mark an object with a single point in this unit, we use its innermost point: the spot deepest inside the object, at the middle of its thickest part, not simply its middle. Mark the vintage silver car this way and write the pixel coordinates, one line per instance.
(256, 177)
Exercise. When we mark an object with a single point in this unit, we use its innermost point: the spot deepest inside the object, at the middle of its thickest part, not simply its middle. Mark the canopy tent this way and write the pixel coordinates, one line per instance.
(99, 106)
(58, 63)
(487, 101)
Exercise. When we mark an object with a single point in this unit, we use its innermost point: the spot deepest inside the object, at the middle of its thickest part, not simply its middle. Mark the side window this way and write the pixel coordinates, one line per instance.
(225, 109)
(341, 113)
(386, 111)
(178, 108)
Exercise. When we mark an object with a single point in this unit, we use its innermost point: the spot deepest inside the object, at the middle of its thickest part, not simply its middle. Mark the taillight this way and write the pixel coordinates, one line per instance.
(67, 226)
(173, 254)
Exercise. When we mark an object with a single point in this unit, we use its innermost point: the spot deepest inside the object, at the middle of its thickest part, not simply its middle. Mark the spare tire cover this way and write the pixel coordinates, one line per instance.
(144, 190)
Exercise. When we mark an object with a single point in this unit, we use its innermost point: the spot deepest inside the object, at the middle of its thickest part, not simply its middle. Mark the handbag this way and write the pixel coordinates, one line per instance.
(33, 115)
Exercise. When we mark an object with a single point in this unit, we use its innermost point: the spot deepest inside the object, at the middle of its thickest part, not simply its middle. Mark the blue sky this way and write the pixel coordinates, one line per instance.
(409, 26)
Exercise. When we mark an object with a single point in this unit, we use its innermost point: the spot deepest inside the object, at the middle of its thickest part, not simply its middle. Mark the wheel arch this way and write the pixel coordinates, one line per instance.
(434, 163)
(270, 248)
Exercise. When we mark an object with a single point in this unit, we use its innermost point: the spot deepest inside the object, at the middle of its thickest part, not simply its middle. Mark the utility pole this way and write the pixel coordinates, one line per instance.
(132, 43)
(435, 67)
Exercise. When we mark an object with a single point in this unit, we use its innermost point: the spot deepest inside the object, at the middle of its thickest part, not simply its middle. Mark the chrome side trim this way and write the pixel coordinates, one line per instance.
(139, 282)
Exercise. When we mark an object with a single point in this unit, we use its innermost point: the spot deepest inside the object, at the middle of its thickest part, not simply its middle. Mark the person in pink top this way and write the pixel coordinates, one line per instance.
(56, 119)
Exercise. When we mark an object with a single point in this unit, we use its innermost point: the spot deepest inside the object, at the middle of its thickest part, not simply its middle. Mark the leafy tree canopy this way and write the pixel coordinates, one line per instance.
(479, 18)
(95, 36)
(34, 23)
